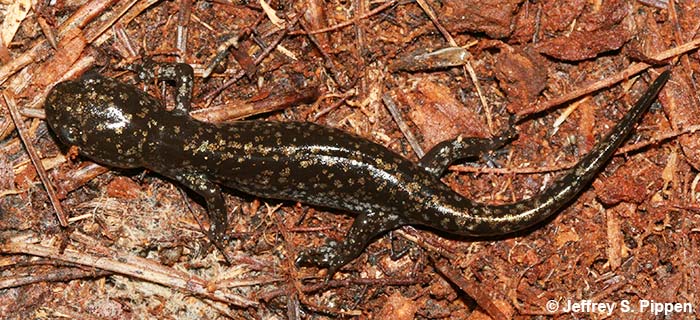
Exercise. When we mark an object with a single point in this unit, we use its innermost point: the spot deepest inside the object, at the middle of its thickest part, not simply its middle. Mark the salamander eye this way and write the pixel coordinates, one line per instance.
(70, 134)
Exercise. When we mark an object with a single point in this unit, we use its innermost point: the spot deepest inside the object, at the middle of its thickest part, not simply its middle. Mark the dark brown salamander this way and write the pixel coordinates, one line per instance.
(122, 126)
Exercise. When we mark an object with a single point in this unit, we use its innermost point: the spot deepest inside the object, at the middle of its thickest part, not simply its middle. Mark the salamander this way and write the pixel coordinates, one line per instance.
(121, 126)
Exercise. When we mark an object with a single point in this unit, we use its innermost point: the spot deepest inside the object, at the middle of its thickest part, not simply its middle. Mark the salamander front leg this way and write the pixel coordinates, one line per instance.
(445, 153)
(336, 254)
(181, 73)
(216, 207)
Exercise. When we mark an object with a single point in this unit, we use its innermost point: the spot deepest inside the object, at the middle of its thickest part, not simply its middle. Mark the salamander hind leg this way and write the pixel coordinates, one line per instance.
(336, 254)
(437, 159)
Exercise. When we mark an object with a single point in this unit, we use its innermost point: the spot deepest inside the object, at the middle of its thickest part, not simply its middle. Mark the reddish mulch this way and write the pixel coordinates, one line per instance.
(132, 247)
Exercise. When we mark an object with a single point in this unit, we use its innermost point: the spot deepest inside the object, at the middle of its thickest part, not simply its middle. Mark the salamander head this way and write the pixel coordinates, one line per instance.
(107, 120)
